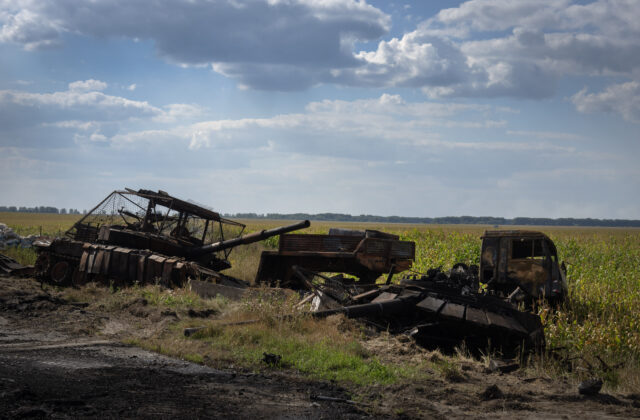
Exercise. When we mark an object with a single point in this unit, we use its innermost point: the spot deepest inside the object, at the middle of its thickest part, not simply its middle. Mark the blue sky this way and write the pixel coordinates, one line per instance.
(412, 108)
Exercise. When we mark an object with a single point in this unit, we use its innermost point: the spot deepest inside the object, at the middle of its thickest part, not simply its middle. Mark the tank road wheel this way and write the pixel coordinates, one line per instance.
(42, 266)
(78, 278)
(61, 272)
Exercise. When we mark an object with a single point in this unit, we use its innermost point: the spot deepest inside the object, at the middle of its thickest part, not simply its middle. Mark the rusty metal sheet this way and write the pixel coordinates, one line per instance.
(515, 325)
(167, 271)
(377, 247)
(119, 263)
(114, 264)
(476, 316)
(97, 262)
(497, 320)
(365, 295)
(90, 260)
(154, 268)
(106, 261)
(318, 243)
(142, 259)
(133, 266)
(83, 261)
(529, 274)
(181, 275)
(408, 294)
(403, 249)
(384, 296)
(431, 304)
(11, 267)
(453, 310)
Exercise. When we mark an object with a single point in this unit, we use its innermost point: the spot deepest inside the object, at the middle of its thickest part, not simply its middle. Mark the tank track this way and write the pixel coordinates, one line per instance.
(67, 262)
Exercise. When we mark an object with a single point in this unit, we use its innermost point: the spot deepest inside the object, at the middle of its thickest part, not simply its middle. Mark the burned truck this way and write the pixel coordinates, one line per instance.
(363, 254)
(145, 237)
(522, 265)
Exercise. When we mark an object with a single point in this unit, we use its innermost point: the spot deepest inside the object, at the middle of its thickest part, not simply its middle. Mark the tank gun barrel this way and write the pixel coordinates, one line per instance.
(247, 239)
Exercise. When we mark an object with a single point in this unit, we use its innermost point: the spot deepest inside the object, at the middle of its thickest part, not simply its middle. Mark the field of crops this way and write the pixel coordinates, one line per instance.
(601, 318)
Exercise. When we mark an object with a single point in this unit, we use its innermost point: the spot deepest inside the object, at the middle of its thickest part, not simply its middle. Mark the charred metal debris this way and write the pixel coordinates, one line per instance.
(152, 237)
(146, 237)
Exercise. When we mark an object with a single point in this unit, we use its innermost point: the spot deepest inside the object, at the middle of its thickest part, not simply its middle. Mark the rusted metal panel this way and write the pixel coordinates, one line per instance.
(318, 243)
(142, 262)
(96, 267)
(106, 262)
(120, 266)
(366, 295)
(453, 310)
(11, 267)
(167, 271)
(530, 275)
(83, 261)
(403, 249)
(431, 304)
(497, 320)
(133, 265)
(384, 296)
(366, 255)
(476, 316)
(90, 260)
(154, 269)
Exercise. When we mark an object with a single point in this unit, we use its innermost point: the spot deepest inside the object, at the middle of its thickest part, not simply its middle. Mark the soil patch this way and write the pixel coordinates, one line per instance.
(66, 359)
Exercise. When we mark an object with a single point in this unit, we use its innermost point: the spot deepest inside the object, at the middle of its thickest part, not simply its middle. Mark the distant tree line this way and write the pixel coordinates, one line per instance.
(39, 209)
(449, 220)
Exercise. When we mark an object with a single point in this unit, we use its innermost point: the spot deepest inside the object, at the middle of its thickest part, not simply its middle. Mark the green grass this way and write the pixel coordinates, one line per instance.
(600, 318)
(318, 357)
(25, 224)
(314, 347)
(25, 256)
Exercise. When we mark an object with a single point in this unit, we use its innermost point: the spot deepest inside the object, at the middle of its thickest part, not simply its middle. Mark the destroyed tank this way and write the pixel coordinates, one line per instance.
(146, 237)
(439, 310)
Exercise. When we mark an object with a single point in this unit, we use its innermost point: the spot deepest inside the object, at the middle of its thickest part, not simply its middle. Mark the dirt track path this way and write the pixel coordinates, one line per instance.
(53, 365)
(61, 360)
(49, 376)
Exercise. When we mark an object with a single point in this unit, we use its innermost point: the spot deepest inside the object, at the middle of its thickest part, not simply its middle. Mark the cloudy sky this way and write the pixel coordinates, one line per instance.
(413, 108)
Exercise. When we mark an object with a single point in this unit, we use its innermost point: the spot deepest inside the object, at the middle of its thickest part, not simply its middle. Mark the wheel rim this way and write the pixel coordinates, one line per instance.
(60, 271)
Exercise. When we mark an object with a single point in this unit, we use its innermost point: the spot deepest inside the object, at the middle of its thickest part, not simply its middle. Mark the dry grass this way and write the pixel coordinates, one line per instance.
(324, 349)
(599, 319)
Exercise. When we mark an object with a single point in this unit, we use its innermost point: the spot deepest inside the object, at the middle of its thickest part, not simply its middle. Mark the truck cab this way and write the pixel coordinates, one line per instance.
(524, 260)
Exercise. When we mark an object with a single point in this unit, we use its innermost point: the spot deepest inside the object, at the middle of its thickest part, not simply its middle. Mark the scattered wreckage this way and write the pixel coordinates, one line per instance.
(437, 310)
(517, 268)
(151, 237)
(146, 237)
(11, 267)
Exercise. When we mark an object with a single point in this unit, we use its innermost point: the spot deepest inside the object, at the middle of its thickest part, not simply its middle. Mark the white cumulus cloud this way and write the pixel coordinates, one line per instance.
(252, 40)
(91, 84)
(504, 48)
(622, 99)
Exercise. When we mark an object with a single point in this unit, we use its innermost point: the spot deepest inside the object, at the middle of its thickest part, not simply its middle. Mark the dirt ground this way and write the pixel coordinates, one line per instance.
(60, 359)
